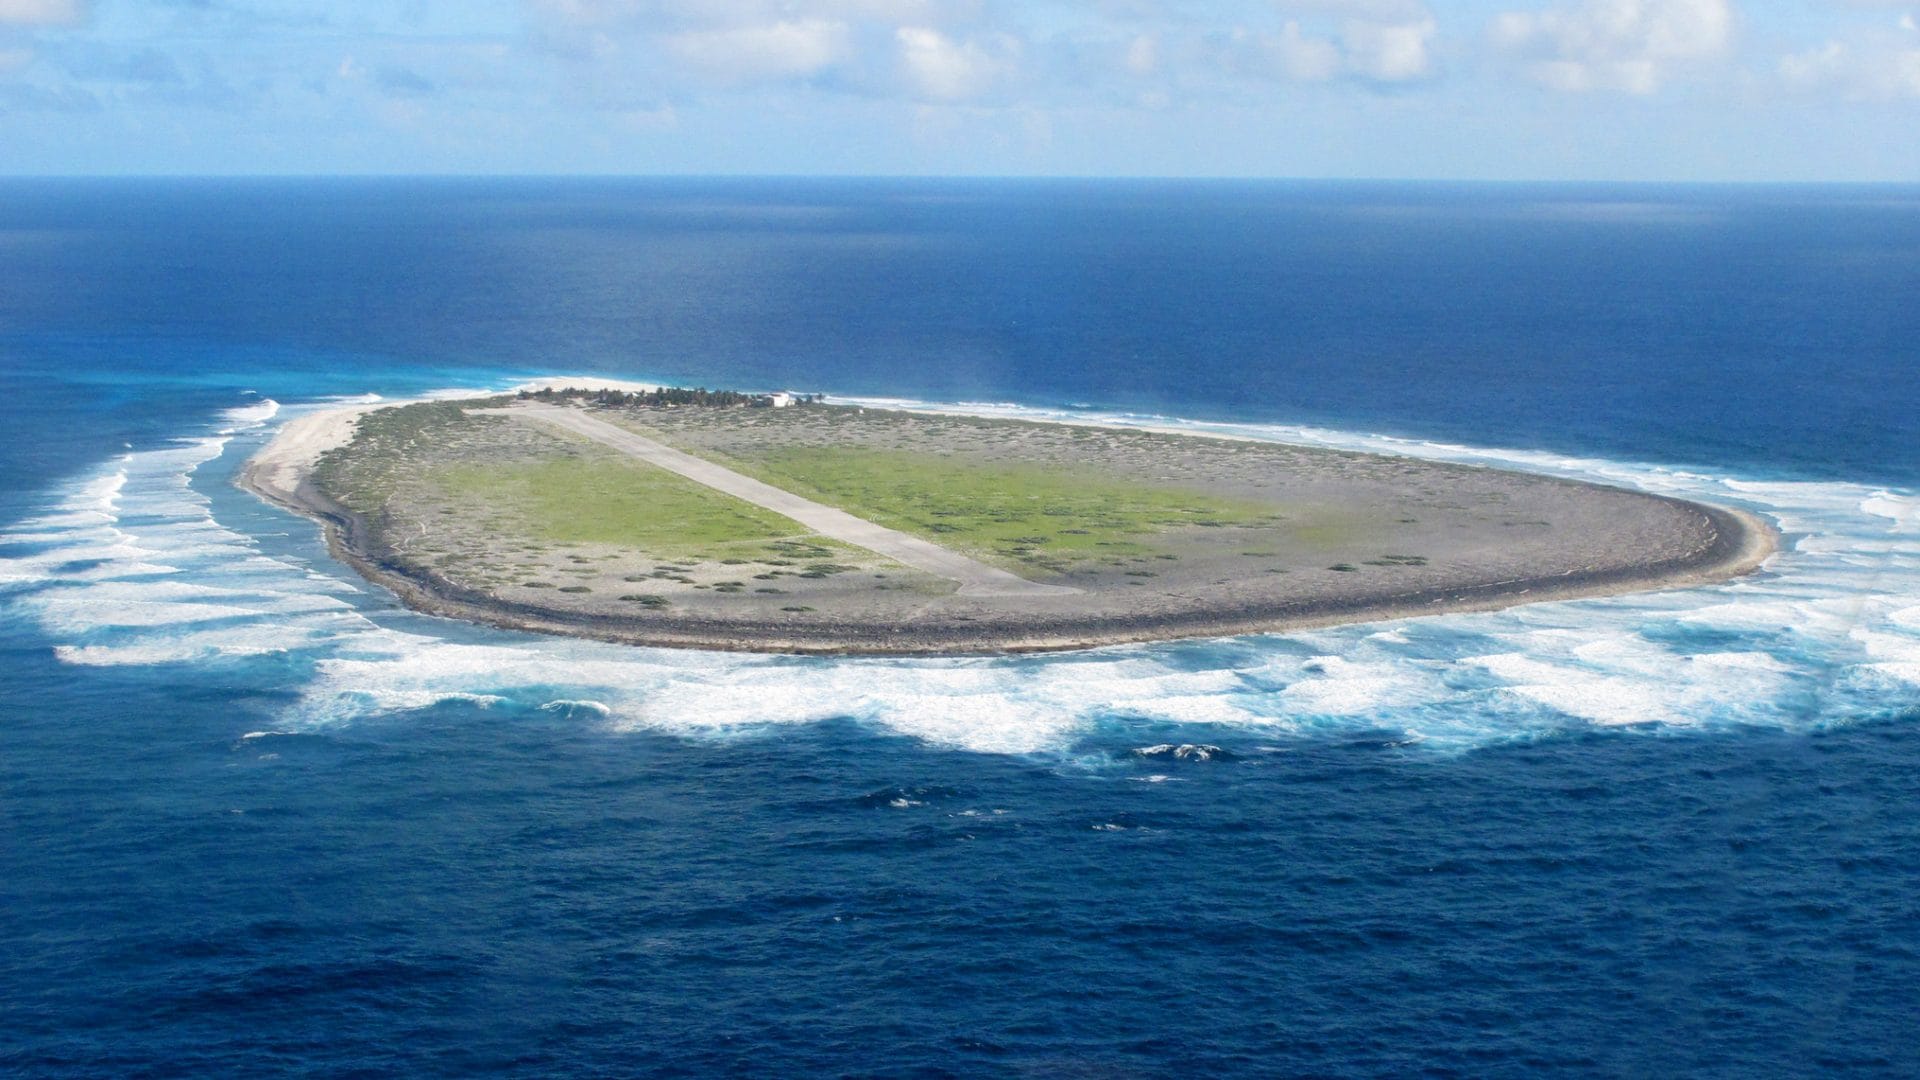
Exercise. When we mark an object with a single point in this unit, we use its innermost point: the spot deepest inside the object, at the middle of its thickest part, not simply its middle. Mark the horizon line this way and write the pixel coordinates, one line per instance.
(972, 177)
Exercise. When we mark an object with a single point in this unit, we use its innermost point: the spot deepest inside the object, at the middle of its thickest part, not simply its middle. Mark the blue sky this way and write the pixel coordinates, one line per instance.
(1506, 89)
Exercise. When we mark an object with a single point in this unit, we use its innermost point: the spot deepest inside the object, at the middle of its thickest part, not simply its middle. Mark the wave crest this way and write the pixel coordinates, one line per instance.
(131, 566)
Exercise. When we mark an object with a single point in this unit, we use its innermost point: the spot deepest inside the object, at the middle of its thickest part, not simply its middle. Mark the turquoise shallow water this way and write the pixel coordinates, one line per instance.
(260, 817)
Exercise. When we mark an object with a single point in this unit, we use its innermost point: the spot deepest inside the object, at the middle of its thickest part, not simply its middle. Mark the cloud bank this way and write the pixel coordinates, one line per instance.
(41, 12)
(1404, 86)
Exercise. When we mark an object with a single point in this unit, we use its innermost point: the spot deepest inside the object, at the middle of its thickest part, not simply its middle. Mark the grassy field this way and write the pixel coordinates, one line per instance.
(1154, 533)
(387, 445)
(497, 502)
(1046, 518)
(606, 500)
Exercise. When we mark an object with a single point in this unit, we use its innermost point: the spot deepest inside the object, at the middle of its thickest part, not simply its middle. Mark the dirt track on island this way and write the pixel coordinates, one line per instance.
(974, 577)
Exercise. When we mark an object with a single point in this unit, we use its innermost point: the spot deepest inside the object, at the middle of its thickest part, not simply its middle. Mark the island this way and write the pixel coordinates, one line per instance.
(782, 523)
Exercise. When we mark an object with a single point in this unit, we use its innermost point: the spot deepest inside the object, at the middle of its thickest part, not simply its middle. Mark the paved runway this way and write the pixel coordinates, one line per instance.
(975, 578)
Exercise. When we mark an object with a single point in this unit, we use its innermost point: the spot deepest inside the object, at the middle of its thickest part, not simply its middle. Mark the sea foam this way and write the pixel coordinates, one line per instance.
(132, 566)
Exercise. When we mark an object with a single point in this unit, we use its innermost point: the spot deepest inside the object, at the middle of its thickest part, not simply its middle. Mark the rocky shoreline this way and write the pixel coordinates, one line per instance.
(1734, 543)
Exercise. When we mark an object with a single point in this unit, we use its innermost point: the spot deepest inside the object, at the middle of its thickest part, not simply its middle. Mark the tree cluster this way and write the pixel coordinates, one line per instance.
(698, 397)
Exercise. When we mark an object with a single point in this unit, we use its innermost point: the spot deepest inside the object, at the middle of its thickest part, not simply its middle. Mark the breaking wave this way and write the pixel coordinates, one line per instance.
(148, 562)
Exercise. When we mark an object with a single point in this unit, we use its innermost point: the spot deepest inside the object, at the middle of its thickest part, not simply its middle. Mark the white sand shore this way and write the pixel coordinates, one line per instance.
(277, 470)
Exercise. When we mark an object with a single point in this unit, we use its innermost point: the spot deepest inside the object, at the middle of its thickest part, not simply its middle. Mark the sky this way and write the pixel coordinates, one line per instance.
(1682, 90)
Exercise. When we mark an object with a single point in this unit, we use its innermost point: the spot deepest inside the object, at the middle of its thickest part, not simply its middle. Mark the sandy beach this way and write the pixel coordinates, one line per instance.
(278, 470)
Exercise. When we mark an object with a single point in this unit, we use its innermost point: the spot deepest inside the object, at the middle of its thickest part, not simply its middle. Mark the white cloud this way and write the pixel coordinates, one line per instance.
(944, 69)
(647, 121)
(1143, 55)
(649, 50)
(1633, 46)
(667, 15)
(772, 50)
(1302, 57)
(1389, 51)
(1384, 41)
(1865, 60)
(1816, 66)
(41, 12)
(1875, 68)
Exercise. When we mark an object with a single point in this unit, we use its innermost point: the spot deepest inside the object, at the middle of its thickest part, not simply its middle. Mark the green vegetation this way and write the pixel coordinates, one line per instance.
(610, 500)
(1034, 515)
(489, 501)
(516, 518)
(663, 397)
(363, 476)
(1398, 560)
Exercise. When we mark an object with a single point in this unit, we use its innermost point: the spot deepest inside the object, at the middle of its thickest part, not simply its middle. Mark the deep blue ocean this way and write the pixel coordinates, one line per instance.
(257, 818)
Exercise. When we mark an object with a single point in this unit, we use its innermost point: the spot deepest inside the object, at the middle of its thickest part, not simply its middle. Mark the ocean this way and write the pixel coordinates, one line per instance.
(255, 817)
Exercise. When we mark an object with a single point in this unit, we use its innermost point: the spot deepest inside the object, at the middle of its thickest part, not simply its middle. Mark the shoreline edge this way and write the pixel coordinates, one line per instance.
(280, 473)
